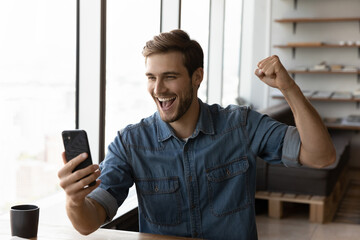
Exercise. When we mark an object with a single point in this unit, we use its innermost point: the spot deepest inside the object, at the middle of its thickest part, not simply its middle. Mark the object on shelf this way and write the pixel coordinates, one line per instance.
(322, 94)
(353, 118)
(320, 67)
(333, 120)
(308, 93)
(350, 69)
(336, 67)
(301, 68)
(356, 94)
(309, 44)
(341, 95)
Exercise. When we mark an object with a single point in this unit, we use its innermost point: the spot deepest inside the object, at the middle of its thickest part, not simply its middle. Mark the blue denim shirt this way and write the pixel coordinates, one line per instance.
(203, 187)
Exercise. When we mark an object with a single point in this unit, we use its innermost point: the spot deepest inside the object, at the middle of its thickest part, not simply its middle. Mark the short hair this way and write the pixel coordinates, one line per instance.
(177, 40)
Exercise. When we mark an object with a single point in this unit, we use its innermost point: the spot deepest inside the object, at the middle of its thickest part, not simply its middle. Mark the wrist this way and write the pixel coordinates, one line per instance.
(291, 86)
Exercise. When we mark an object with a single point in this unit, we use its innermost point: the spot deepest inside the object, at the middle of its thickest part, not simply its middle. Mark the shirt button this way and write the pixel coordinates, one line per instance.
(190, 178)
(195, 234)
(156, 189)
(193, 206)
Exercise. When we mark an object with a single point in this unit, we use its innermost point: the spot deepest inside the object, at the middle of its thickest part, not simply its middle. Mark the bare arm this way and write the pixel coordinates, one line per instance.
(316, 149)
(85, 214)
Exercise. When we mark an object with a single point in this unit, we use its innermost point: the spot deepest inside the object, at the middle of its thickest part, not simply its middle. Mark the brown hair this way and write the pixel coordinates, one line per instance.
(177, 40)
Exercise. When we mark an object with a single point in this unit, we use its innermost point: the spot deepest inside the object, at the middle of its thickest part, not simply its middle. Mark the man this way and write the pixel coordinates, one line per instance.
(194, 164)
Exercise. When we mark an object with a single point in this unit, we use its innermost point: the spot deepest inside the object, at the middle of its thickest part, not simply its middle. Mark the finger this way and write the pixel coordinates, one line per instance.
(277, 65)
(270, 68)
(262, 62)
(268, 61)
(63, 157)
(82, 193)
(62, 171)
(70, 165)
(259, 73)
(80, 186)
(81, 173)
(73, 163)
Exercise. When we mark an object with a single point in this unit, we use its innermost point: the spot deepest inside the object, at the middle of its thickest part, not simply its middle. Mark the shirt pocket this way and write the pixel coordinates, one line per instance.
(228, 187)
(160, 200)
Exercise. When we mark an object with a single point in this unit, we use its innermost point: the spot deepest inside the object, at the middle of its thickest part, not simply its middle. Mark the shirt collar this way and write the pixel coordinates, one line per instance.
(204, 124)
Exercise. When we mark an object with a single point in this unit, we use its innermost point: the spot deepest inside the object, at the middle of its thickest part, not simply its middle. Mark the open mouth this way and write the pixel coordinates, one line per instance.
(166, 103)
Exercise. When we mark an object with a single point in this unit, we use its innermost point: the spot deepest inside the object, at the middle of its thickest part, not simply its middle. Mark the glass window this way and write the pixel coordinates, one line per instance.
(195, 21)
(128, 28)
(232, 41)
(37, 95)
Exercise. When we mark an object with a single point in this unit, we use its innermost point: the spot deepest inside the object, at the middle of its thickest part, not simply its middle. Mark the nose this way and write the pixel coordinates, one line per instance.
(159, 87)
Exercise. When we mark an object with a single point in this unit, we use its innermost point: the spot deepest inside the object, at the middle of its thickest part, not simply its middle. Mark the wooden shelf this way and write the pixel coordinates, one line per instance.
(321, 72)
(295, 21)
(325, 99)
(314, 20)
(342, 127)
(315, 45)
(293, 46)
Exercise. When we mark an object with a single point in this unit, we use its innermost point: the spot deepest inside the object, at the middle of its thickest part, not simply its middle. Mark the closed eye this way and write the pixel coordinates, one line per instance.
(151, 77)
(171, 77)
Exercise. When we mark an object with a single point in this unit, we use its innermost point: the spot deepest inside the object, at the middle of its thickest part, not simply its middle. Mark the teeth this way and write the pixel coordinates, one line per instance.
(166, 99)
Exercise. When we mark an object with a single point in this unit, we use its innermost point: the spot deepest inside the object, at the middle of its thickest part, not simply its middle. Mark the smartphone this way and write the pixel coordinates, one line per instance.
(75, 143)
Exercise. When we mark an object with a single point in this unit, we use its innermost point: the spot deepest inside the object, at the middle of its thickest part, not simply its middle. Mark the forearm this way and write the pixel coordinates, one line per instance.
(317, 149)
(86, 217)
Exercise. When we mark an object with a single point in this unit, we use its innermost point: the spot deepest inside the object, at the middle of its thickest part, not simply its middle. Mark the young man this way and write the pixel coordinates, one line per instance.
(194, 164)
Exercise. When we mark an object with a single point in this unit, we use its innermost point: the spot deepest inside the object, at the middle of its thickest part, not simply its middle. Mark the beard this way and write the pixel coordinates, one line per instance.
(185, 101)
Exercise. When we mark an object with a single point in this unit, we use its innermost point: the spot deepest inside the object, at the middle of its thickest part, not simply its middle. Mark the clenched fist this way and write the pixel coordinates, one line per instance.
(272, 72)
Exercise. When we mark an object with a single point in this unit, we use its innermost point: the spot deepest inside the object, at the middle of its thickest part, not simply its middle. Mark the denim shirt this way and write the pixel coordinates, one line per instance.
(203, 187)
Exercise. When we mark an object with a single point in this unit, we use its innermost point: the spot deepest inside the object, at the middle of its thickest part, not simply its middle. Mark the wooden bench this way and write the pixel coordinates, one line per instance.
(322, 208)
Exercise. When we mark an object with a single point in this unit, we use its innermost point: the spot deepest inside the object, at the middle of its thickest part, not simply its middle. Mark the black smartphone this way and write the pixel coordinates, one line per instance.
(75, 143)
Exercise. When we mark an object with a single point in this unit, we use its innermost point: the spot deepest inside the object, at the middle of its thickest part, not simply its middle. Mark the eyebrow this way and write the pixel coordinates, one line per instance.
(164, 73)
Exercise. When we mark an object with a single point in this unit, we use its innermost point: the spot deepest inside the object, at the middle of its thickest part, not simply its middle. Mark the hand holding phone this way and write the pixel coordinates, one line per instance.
(75, 143)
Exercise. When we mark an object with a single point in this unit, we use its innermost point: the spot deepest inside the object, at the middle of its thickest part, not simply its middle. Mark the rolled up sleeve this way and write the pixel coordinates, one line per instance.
(291, 148)
(106, 200)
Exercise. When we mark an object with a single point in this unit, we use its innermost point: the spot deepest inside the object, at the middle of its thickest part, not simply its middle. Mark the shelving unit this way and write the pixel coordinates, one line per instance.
(322, 45)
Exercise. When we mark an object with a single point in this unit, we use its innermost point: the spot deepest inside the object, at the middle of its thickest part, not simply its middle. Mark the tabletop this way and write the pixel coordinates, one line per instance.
(57, 232)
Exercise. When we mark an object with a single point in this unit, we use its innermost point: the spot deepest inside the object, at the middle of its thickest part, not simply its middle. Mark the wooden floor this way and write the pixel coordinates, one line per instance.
(295, 224)
(349, 209)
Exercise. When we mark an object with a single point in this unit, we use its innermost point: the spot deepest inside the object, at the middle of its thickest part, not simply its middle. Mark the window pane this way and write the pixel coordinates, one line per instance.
(37, 95)
(128, 28)
(195, 21)
(232, 38)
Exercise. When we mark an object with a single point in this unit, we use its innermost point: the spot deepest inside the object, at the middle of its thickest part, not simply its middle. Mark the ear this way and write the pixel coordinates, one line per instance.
(197, 77)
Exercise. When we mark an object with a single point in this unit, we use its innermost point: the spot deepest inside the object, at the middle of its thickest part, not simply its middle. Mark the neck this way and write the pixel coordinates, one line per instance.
(185, 126)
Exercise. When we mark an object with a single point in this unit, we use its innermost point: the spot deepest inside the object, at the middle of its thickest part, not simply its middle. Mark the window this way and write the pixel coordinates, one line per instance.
(232, 41)
(195, 21)
(37, 95)
(128, 28)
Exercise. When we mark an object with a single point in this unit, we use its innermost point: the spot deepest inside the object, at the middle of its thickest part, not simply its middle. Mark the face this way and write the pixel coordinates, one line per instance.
(170, 85)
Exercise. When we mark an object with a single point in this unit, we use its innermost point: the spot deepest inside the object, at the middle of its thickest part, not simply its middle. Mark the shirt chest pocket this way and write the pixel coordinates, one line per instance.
(160, 200)
(228, 187)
